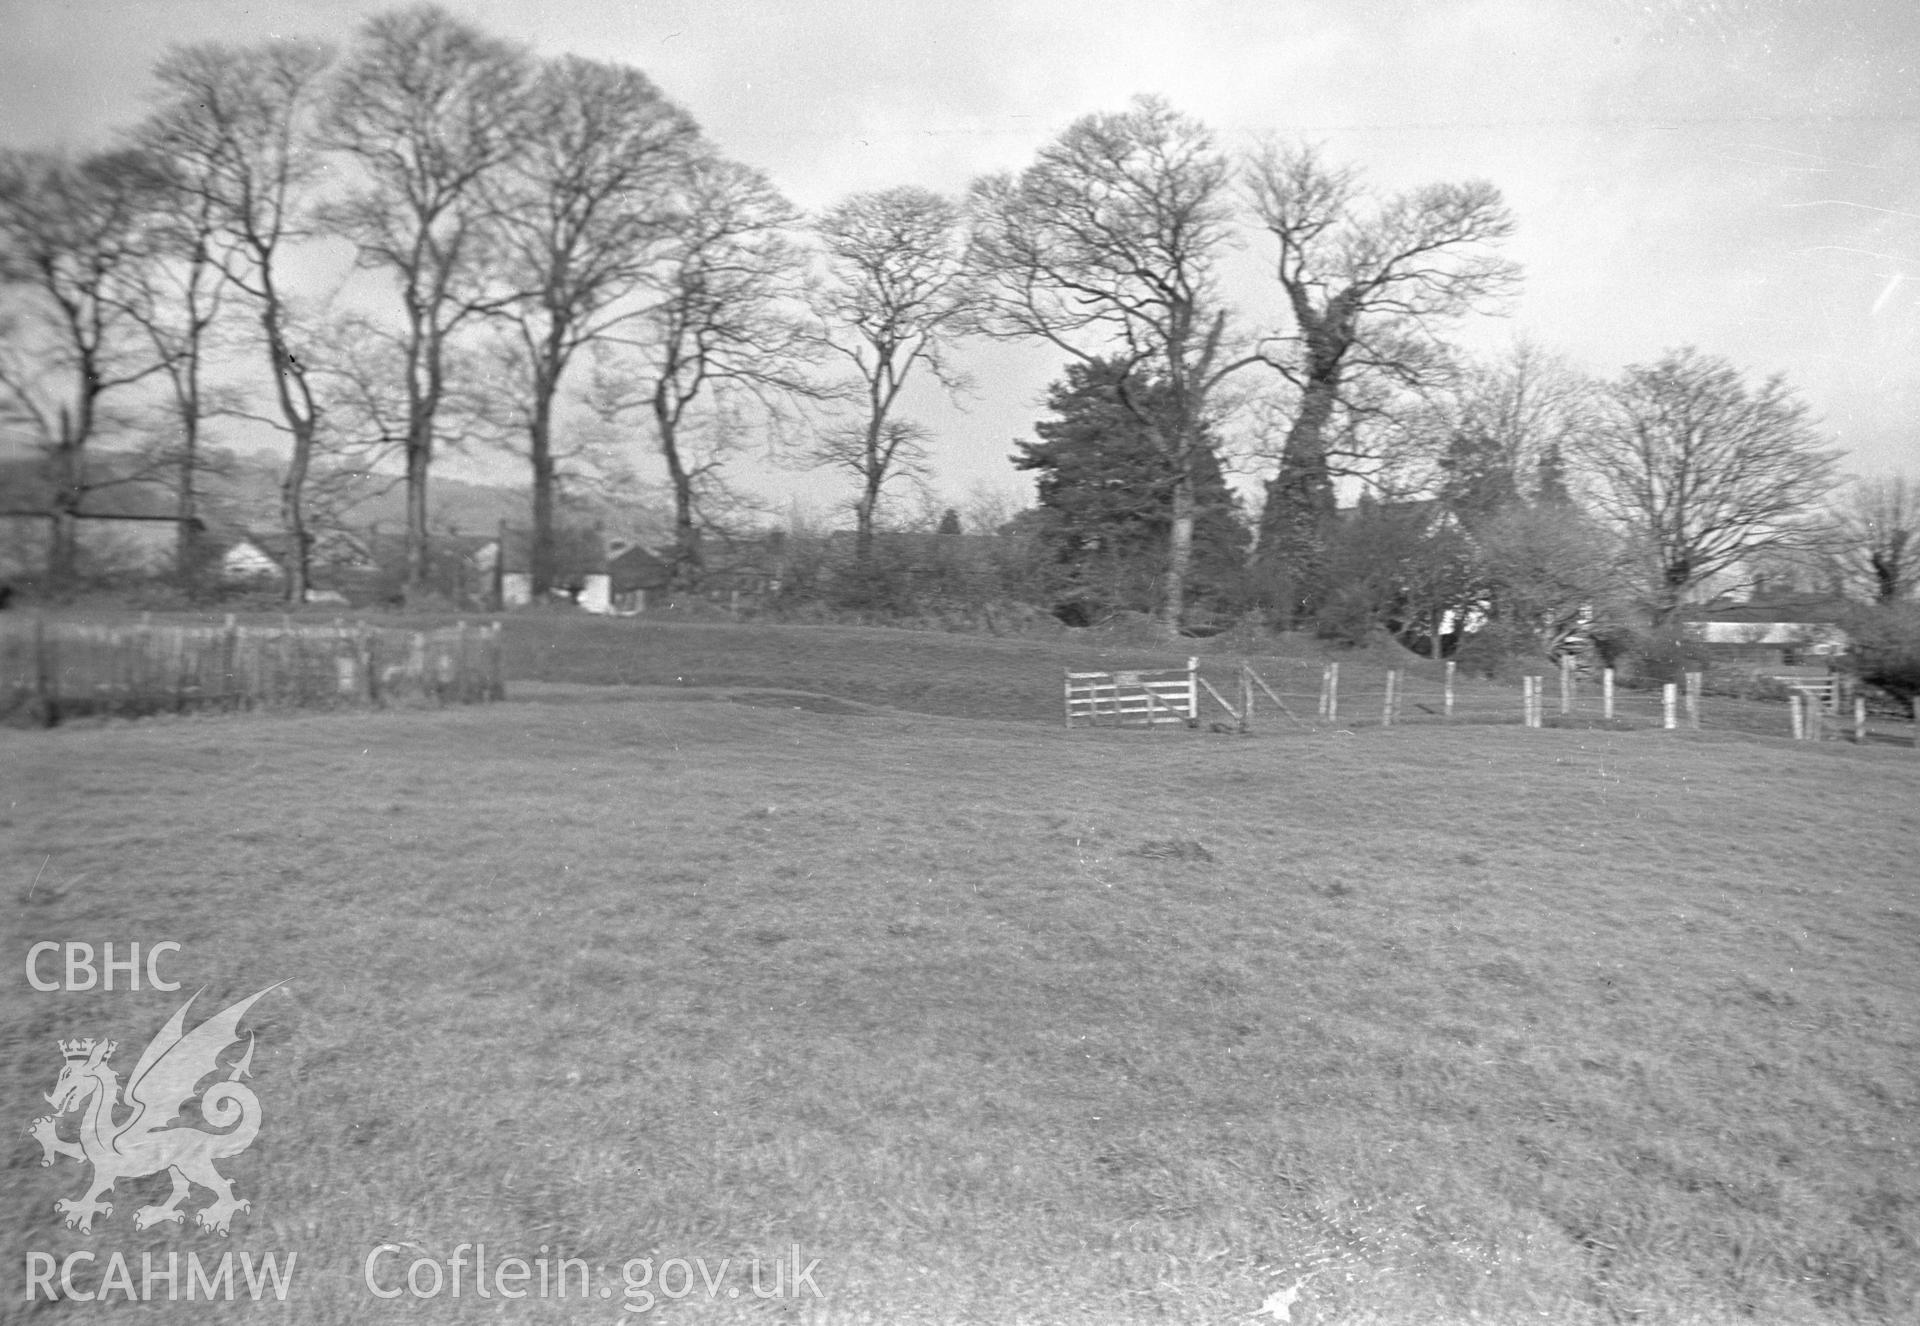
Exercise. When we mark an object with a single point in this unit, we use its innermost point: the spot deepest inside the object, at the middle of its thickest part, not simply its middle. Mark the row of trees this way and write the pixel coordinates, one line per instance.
(553, 239)
(550, 247)
(1517, 498)
(525, 217)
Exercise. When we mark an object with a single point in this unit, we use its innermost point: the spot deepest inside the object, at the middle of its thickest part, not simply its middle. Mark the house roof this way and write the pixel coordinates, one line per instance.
(908, 540)
(635, 569)
(1820, 609)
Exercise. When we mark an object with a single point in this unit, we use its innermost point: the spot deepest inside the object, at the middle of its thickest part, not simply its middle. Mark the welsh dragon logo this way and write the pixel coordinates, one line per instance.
(160, 1086)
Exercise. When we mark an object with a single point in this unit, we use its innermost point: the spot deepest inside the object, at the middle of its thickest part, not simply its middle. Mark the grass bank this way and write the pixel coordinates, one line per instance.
(1001, 1023)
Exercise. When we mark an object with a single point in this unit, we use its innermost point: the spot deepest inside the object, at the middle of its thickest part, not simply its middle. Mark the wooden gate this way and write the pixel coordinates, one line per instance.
(1128, 698)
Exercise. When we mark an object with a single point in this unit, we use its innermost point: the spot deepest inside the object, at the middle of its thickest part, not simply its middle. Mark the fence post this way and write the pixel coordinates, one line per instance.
(417, 661)
(177, 664)
(44, 700)
(1193, 690)
(496, 662)
(142, 656)
(1448, 707)
(1333, 692)
(229, 634)
(1606, 694)
(1326, 671)
(370, 659)
(1246, 698)
(1668, 697)
(1859, 720)
(1526, 701)
(1793, 714)
(1566, 683)
(1693, 699)
(1386, 705)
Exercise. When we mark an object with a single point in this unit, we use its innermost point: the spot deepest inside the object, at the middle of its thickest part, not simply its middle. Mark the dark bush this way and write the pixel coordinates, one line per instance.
(1886, 649)
(1658, 655)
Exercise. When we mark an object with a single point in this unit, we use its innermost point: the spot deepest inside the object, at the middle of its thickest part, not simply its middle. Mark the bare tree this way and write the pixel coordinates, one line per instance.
(1877, 535)
(582, 211)
(235, 125)
(720, 346)
(1496, 432)
(1703, 471)
(896, 451)
(71, 235)
(427, 108)
(175, 298)
(1369, 285)
(1105, 247)
(897, 300)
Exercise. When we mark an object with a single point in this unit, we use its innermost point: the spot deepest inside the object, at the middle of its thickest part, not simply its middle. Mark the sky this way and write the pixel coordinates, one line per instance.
(1739, 175)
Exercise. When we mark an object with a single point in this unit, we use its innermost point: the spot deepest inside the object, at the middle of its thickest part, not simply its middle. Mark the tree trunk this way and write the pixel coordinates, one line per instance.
(871, 479)
(863, 531)
(1888, 572)
(63, 548)
(1300, 503)
(1675, 576)
(290, 377)
(423, 400)
(293, 523)
(686, 538)
(419, 452)
(540, 437)
(1173, 602)
(186, 541)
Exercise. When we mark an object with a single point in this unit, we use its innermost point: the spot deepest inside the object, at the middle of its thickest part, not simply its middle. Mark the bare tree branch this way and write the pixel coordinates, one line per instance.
(1704, 471)
(71, 235)
(721, 337)
(582, 213)
(427, 108)
(1370, 284)
(1877, 520)
(898, 298)
(236, 127)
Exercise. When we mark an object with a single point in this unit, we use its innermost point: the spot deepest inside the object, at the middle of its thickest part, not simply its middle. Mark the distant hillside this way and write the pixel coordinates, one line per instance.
(360, 499)
(245, 495)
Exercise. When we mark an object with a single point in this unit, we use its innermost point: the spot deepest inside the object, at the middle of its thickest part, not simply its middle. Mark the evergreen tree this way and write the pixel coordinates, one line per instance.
(1107, 489)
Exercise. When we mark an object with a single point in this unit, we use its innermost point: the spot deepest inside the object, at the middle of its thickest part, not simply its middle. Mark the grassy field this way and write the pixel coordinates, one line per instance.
(996, 1022)
(978, 676)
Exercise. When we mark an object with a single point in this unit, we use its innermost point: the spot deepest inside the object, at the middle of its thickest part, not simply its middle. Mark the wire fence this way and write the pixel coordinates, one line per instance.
(54, 670)
(1312, 695)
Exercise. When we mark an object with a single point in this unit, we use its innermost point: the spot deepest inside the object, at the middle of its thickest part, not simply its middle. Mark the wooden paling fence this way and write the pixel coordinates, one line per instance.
(1434, 693)
(51, 670)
